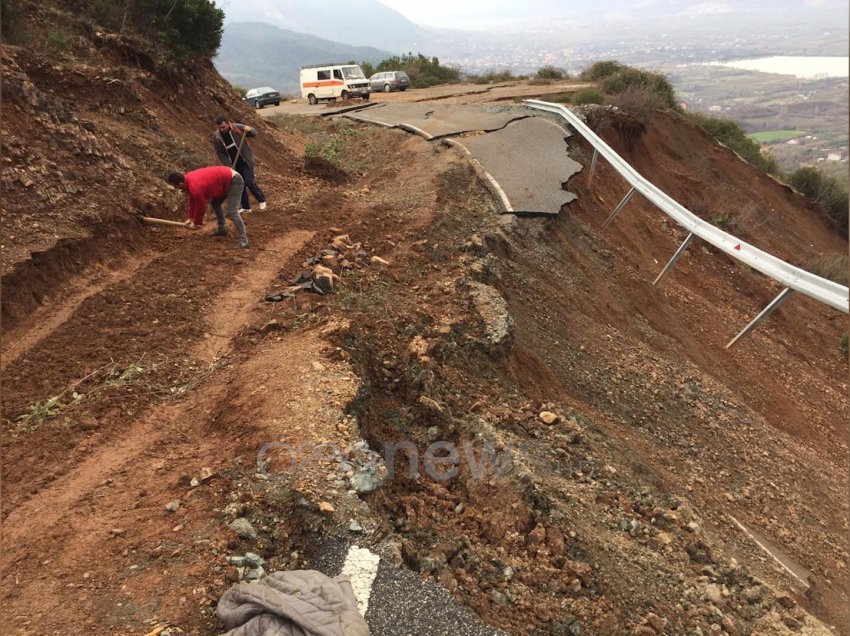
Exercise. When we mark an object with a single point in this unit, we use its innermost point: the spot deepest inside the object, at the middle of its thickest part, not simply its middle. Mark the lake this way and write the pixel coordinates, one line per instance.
(802, 67)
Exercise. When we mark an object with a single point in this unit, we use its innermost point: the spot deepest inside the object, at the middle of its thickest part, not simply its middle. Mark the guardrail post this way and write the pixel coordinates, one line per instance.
(618, 208)
(592, 166)
(675, 257)
(773, 306)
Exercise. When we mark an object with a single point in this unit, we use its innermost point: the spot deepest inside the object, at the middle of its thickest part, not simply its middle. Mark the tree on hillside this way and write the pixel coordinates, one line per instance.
(423, 71)
(186, 28)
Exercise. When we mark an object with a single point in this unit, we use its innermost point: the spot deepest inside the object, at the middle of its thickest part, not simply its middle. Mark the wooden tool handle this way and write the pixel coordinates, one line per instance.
(151, 219)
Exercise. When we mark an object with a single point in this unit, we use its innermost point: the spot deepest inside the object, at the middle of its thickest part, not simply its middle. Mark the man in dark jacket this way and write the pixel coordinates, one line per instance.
(227, 141)
(214, 184)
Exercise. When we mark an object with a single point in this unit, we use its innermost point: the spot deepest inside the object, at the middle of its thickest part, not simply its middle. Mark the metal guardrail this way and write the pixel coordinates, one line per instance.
(792, 277)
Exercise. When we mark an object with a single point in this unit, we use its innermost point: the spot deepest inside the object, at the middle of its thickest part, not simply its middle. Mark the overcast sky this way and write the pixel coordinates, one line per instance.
(471, 13)
(479, 13)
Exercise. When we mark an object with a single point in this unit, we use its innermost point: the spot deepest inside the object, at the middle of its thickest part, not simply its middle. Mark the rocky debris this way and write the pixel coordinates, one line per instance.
(243, 529)
(326, 507)
(355, 526)
(172, 506)
(492, 309)
(250, 567)
(358, 467)
(322, 272)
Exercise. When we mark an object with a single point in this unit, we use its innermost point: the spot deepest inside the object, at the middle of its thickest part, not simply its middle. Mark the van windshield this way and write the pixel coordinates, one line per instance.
(352, 72)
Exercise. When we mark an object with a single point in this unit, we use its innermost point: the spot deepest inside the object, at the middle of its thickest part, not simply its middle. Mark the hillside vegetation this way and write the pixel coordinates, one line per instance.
(423, 71)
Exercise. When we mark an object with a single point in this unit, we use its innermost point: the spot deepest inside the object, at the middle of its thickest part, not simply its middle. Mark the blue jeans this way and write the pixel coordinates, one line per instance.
(247, 173)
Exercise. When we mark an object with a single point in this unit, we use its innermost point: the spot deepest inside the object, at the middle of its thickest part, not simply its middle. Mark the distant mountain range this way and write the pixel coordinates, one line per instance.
(356, 22)
(254, 54)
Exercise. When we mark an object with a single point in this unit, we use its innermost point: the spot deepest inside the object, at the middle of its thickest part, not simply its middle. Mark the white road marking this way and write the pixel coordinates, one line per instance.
(768, 551)
(361, 567)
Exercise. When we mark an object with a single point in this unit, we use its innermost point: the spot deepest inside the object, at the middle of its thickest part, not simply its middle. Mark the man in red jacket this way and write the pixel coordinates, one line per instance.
(213, 184)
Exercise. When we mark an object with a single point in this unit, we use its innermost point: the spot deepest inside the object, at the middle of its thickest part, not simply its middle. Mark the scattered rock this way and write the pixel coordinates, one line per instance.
(355, 526)
(548, 417)
(786, 601)
(365, 482)
(326, 508)
(712, 593)
(194, 483)
(243, 528)
(206, 474)
(753, 594)
(656, 622)
(693, 526)
(254, 560)
(498, 597)
(493, 311)
(172, 506)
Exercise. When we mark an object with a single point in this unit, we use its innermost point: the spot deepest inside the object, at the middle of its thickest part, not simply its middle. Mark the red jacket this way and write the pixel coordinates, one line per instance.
(206, 184)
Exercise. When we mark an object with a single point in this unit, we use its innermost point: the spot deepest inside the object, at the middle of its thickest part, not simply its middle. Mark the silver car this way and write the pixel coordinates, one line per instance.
(390, 81)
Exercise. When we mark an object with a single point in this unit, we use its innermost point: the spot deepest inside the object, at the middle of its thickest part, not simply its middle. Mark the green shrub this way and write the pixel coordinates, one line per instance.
(423, 71)
(187, 29)
(636, 79)
(600, 70)
(825, 191)
(587, 96)
(730, 134)
(550, 72)
(539, 82)
(59, 40)
(492, 77)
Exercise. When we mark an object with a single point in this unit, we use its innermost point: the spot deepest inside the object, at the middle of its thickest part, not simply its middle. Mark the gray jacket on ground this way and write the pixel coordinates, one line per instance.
(292, 603)
(237, 130)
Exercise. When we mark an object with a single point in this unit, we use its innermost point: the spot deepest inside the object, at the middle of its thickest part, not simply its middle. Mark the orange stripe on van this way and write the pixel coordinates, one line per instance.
(323, 83)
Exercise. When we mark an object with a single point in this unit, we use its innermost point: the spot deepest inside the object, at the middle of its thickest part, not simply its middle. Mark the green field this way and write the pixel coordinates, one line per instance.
(771, 136)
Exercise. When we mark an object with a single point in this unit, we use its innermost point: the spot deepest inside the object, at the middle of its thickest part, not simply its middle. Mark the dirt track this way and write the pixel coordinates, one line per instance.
(166, 363)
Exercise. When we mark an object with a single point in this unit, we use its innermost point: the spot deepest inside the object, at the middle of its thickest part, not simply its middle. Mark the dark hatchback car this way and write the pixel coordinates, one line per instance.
(390, 81)
(259, 97)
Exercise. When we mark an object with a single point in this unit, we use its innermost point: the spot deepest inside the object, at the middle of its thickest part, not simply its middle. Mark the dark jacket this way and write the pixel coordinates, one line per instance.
(221, 151)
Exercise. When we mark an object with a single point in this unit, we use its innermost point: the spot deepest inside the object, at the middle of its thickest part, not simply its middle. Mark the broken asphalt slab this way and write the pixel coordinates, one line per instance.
(435, 121)
(526, 164)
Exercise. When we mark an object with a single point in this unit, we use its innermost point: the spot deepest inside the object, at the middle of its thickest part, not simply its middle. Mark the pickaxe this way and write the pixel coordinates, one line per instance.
(142, 217)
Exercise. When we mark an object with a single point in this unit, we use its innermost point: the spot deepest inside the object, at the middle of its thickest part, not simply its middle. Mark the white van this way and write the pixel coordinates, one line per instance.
(329, 81)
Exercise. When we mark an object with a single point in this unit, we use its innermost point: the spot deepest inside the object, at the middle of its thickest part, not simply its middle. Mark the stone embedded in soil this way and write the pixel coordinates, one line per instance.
(254, 560)
(172, 506)
(548, 417)
(365, 482)
(326, 508)
(355, 526)
(498, 597)
(492, 308)
(712, 593)
(243, 528)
